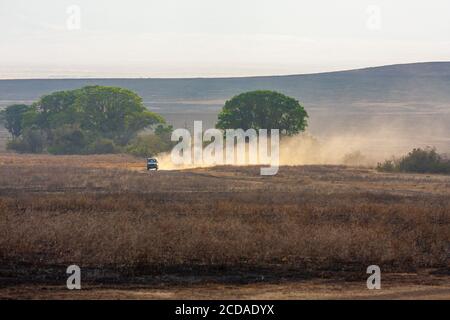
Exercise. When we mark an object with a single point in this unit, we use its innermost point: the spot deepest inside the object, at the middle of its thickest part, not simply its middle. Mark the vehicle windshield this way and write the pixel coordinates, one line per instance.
(152, 160)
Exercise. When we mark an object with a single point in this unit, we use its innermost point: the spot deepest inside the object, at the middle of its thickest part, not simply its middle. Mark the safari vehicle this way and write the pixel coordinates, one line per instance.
(152, 164)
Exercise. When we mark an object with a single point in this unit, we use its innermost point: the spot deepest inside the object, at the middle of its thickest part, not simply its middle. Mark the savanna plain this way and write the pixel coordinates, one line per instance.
(309, 232)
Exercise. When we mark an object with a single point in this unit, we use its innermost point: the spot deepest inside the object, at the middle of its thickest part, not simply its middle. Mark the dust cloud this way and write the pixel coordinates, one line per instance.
(364, 149)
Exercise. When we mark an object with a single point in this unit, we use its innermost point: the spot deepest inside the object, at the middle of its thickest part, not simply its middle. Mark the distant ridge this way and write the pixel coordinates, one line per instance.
(398, 66)
(420, 82)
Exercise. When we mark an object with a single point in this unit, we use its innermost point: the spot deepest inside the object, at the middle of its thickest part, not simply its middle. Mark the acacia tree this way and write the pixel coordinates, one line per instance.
(263, 109)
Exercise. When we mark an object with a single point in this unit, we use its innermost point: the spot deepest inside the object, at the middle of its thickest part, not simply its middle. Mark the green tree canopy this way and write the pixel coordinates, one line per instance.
(57, 109)
(111, 112)
(263, 109)
(72, 121)
(115, 113)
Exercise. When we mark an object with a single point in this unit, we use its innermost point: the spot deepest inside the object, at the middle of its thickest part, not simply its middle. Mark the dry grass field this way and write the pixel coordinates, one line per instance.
(222, 232)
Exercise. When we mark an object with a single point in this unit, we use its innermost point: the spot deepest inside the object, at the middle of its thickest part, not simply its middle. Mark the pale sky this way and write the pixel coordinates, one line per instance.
(209, 38)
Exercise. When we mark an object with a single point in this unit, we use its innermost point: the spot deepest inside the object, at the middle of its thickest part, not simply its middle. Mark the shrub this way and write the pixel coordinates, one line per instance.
(419, 160)
(32, 141)
(387, 166)
(102, 146)
(147, 146)
(68, 139)
(150, 145)
(17, 145)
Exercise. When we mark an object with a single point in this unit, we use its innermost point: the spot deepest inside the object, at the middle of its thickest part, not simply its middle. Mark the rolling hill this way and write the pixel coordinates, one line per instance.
(417, 82)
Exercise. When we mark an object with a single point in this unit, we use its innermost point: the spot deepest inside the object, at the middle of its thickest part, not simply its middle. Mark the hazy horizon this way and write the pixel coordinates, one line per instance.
(93, 77)
(175, 39)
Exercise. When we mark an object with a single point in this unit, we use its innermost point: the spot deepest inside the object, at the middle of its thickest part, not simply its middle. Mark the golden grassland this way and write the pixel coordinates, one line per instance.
(107, 212)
